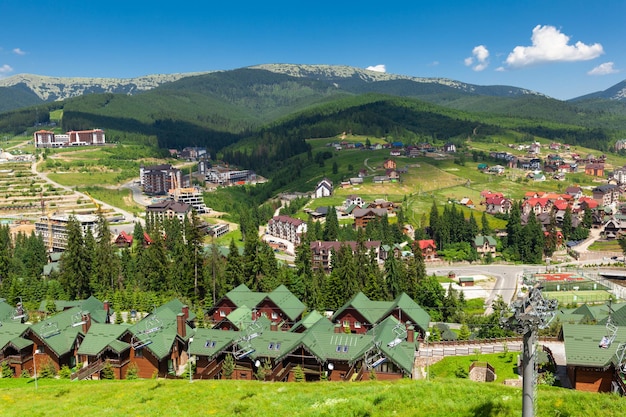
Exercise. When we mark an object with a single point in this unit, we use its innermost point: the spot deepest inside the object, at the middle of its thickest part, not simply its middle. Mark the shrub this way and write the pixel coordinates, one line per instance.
(6, 371)
(461, 372)
(25, 374)
(228, 367)
(65, 372)
(47, 370)
(298, 374)
(133, 371)
(107, 372)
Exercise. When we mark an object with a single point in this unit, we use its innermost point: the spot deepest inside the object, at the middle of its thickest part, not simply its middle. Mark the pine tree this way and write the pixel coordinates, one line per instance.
(395, 277)
(106, 264)
(485, 227)
(331, 227)
(566, 227)
(233, 271)
(75, 268)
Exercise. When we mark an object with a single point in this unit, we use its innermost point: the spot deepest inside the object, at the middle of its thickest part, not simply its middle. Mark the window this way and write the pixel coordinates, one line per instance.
(209, 344)
(222, 313)
(346, 323)
(139, 353)
(277, 346)
(338, 348)
(345, 348)
(357, 324)
(274, 315)
(271, 346)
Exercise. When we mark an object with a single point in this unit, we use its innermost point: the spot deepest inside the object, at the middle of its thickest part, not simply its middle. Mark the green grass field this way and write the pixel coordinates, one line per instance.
(151, 398)
(505, 365)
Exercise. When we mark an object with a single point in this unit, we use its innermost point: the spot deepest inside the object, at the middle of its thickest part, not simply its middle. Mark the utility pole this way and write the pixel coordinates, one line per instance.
(526, 317)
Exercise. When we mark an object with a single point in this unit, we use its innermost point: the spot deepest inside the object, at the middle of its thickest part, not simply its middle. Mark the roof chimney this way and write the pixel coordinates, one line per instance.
(87, 322)
(107, 319)
(274, 326)
(337, 328)
(410, 333)
(186, 312)
(181, 328)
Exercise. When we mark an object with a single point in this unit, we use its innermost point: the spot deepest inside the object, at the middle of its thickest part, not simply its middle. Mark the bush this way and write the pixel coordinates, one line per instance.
(133, 371)
(107, 372)
(25, 374)
(6, 371)
(461, 372)
(47, 370)
(65, 372)
(298, 374)
(228, 367)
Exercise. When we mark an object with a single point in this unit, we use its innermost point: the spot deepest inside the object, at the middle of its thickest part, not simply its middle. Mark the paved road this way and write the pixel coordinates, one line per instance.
(128, 217)
(507, 278)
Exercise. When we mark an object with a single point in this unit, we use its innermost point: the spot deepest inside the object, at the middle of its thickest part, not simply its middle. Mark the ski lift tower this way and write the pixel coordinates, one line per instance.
(526, 317)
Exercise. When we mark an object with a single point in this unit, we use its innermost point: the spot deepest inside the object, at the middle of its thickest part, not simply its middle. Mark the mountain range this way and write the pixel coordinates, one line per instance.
(26, 90)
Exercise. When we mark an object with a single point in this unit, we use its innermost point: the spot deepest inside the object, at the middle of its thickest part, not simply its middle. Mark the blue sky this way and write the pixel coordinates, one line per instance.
(560, 48)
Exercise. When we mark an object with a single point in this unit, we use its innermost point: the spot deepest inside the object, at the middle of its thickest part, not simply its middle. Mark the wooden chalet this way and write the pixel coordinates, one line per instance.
(428, 247)
(158, 343)
(589, 366)
(361, 314)
(279, 306)
(124, 240)
(322, 351)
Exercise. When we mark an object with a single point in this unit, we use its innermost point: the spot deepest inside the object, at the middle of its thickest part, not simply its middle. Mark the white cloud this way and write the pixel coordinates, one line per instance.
(550, 45)
(377, 68)
(604, 69)
(18, 51)
(5, 69)
(480, 56)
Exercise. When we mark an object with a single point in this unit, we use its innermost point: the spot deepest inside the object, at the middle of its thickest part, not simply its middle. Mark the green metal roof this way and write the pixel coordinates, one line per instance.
(480, 240)
(58, 331)
(411, 309)
(402, 353)
(373, 311)
(160, 330)
(102, 336)
(287, 302)
(240, 316)
(309, 320)
(242, 295)
(582, 344)
(6, 312)
(273, 344)
(11, 335)
(210, 342)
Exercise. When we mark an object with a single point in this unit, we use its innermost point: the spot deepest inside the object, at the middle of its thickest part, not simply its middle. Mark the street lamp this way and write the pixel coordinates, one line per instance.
(37, 351)
(189, 361)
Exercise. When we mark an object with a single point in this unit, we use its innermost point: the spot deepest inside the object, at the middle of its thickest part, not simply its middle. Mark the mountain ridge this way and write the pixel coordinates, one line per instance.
(49, 88)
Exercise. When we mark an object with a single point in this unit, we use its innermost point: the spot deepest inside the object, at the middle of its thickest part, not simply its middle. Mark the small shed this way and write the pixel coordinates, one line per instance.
(466, 281)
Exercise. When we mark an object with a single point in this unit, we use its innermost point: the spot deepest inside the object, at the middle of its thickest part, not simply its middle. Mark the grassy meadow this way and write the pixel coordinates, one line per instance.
(441, 397)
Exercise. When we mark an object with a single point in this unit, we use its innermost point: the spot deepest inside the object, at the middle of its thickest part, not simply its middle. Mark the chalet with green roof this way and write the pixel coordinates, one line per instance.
(158, 343)
(58, 337)
(589, 366)
(279, 306)
(15, 349)
(360, 313)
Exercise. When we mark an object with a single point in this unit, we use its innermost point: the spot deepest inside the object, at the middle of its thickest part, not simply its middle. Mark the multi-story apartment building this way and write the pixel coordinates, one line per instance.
(288, 228)
(159, 179)
(53, 229)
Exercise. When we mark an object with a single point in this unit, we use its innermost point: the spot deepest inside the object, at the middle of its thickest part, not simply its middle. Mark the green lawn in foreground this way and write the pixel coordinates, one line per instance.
(443, 397)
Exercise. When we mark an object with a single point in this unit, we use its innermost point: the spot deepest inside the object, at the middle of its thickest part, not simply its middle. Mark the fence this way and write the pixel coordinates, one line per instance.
(470, 347)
